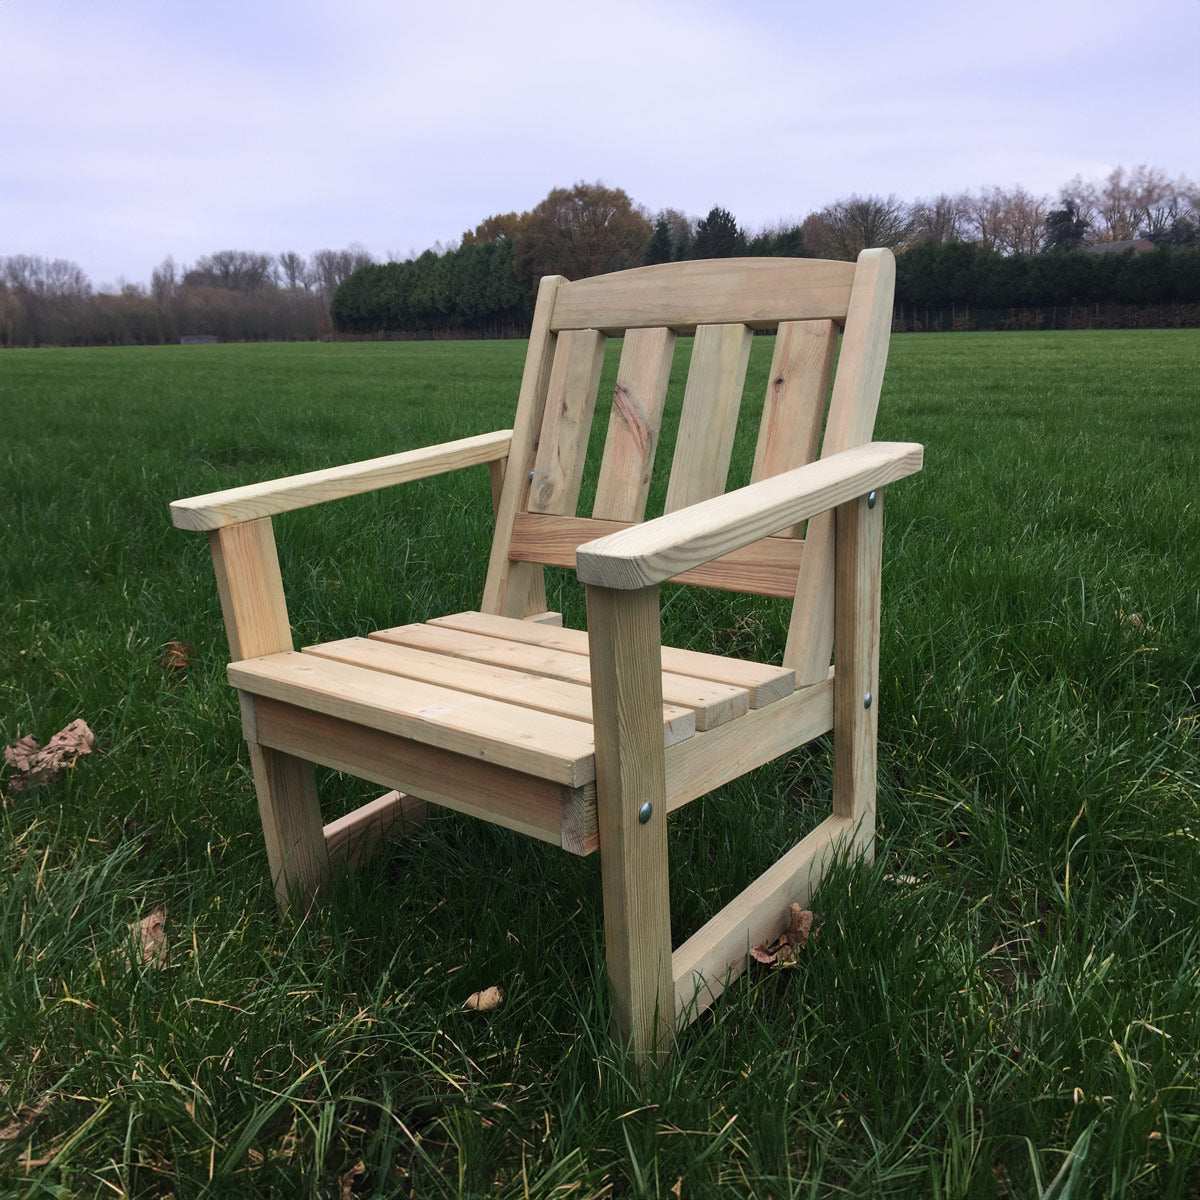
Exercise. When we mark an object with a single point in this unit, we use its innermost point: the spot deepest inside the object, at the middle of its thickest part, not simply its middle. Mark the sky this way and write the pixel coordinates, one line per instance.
(134, 129)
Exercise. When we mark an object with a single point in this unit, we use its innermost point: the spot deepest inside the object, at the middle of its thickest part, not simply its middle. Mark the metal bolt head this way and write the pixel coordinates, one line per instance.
(867, 700)
(645, 812)
(871, 498)
(531, 479)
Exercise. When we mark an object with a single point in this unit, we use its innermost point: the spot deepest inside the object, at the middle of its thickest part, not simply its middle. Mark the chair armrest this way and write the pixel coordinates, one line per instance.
(648, 554)
(217, 509)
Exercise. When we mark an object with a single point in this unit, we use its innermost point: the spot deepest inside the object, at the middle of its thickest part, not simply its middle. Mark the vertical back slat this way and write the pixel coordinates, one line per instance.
(567, 422)
(634, 424)
(851, 422)
(797, 394)
(708, 421)
(515, 589)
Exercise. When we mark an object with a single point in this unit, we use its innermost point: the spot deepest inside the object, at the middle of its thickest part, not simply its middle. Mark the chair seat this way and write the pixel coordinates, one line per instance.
(503, 691)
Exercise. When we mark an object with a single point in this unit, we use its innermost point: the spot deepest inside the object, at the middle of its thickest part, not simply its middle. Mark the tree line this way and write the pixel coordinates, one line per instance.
(232, 295)
(994, 249)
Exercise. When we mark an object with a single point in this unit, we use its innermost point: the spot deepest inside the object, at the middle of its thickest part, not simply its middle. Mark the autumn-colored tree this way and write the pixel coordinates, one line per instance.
(586, 230)
(939, 219)
(501, 227)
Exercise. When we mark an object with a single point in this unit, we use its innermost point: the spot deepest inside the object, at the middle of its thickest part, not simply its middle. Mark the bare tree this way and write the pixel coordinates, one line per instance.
(1023, 228)
(861, 222)
(294, 270)
(327, 268)
(939, 219)
(233, 270)
(163, 280)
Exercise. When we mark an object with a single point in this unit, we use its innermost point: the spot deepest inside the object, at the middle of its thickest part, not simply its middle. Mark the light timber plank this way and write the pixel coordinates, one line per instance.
(768, 567)
(716, 954)
(633, 425)
(250, 588)
(518, 589)
(760, 292)
(764, 682)
(630, 773)
(482, 679)
(852, 409)
(543, 744)
(524, 803)
(713, 703)
(545, 618)
(217, 509)
(656, 550)
(708, 420)
(291, 821)
(712, 759)
(859, 535)
(797, 396)
(359, 834)
(566, 422)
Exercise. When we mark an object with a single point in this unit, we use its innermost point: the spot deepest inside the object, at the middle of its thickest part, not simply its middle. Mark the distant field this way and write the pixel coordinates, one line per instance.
(1006, 1004)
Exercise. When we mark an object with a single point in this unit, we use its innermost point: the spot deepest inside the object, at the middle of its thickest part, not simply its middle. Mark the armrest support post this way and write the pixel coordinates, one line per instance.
(251, 589)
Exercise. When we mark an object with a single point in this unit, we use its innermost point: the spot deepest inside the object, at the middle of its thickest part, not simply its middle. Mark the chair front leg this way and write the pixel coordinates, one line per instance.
(626, 664)
(859, 544)
(256, 620)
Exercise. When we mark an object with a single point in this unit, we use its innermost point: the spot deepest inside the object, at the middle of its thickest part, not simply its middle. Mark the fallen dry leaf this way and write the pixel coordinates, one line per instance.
(488, 1000)
(35, 765)
(795, 937)
(150, 935)
(177, 656)
(347, 1180)
(22, 1121)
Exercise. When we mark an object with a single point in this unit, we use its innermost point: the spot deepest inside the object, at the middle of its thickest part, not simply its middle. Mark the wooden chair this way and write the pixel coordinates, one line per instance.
(583, 739)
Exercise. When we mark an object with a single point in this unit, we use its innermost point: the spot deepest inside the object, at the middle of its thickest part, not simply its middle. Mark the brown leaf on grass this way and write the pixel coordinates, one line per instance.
(150, 936)
(782, 951)
(488, 1000)
(35, 765)
(22, 1121)
(177, 656)
(347, 1180)
(677, 1190)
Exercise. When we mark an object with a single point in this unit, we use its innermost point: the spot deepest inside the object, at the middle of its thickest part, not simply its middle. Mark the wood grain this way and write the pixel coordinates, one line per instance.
(217, 509)
(634, 422)
(566, 422)
(657, 550)
(630, 773)
(770, 567)
(760, 292)
(708, 420)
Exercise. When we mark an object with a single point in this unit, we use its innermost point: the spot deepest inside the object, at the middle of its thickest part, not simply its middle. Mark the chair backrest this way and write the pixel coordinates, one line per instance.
(722, 301)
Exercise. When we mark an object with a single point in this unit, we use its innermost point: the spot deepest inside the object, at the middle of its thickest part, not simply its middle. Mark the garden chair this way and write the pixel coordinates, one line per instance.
(590, 740)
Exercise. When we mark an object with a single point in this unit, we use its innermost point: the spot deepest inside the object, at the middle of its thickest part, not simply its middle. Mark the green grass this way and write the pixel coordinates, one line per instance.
(1019, 1019)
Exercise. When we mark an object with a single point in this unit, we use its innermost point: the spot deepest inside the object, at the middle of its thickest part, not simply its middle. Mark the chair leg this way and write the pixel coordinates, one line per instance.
(631, 785)
(859, 542)
(291, 821)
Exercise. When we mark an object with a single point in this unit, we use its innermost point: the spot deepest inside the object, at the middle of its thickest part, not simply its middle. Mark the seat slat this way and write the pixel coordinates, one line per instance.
(633, 425)
(768, 567)
(764, 682)
(708, 421)
(482, 679)
(713, 703)
(567, 422)
(535, 743)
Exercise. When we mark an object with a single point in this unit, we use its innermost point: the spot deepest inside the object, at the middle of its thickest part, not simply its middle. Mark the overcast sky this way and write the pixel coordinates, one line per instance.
(133, 129)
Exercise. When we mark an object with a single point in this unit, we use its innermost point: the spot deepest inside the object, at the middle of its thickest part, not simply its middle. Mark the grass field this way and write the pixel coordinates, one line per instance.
(1005, 1004)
